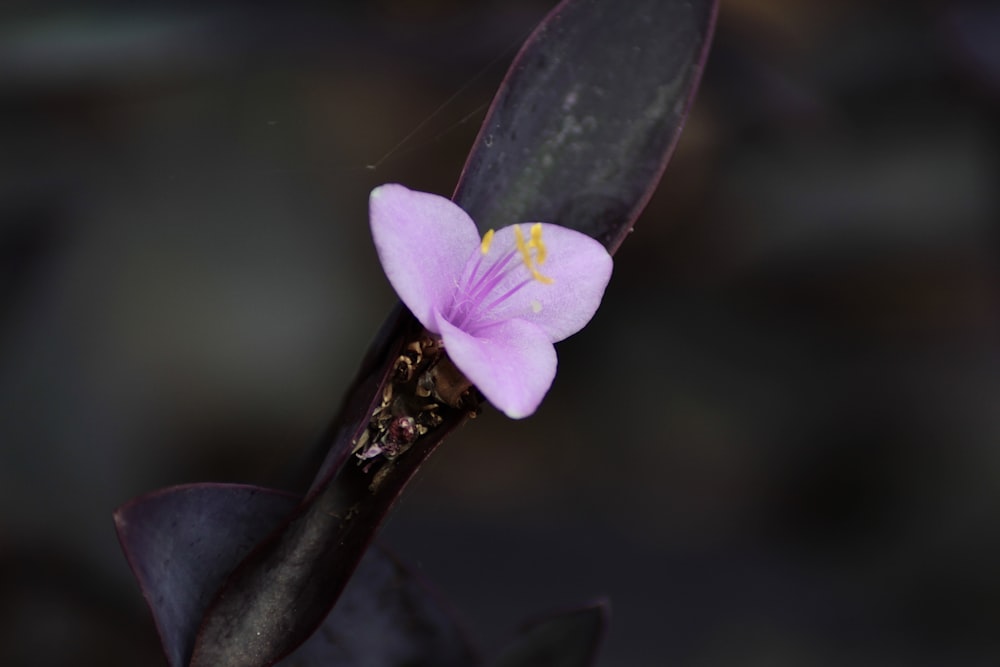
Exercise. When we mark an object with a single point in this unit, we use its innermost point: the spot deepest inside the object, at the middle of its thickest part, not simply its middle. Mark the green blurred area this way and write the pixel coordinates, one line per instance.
(777, 444)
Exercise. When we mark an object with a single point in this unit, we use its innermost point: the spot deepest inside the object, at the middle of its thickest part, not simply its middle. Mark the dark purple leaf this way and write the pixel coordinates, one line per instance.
(582, 127)
(570, 639)
(184, 541)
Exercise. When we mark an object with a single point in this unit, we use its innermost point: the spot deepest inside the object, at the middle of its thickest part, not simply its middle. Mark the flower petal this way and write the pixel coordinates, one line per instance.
(512, 363)
(423, 241)
(580, 269)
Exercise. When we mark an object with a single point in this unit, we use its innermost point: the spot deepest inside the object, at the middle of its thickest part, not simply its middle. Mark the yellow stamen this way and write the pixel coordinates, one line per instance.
(484, 247)
(525, 250)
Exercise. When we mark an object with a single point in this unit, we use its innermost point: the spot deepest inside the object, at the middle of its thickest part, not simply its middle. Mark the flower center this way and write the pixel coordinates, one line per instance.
(481, 291)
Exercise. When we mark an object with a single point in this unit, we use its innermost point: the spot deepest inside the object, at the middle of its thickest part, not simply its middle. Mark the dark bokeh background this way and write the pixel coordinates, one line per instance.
(777, 444)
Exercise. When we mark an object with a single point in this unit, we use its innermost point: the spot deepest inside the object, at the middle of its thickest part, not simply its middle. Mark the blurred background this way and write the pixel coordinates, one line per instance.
(777, 444)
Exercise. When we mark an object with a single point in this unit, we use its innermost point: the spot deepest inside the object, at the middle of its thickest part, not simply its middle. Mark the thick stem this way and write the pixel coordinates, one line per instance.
(282, 592)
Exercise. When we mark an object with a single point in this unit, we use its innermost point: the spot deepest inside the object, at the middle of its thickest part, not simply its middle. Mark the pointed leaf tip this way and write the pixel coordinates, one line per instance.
(569, 639)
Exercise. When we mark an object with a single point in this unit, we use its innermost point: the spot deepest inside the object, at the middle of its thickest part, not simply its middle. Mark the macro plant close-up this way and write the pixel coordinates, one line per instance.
(481, 334)
(233, 575)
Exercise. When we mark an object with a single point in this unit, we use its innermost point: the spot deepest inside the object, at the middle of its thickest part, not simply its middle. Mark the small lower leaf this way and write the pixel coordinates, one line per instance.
(182, 543)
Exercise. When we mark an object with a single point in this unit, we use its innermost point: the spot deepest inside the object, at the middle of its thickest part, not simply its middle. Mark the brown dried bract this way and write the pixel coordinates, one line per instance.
(423, 382)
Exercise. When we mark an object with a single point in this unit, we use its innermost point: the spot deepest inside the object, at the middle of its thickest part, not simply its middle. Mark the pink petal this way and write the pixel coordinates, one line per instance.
(580, 269)
(423, 241)
(511, 362)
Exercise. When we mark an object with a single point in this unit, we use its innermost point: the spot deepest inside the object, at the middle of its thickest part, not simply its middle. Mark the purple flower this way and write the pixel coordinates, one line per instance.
(498, 303)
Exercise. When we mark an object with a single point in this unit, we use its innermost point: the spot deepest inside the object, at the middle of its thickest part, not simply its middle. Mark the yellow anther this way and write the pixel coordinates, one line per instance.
(521, 246)
(484, 247)
(525, 249)
(536, 242)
